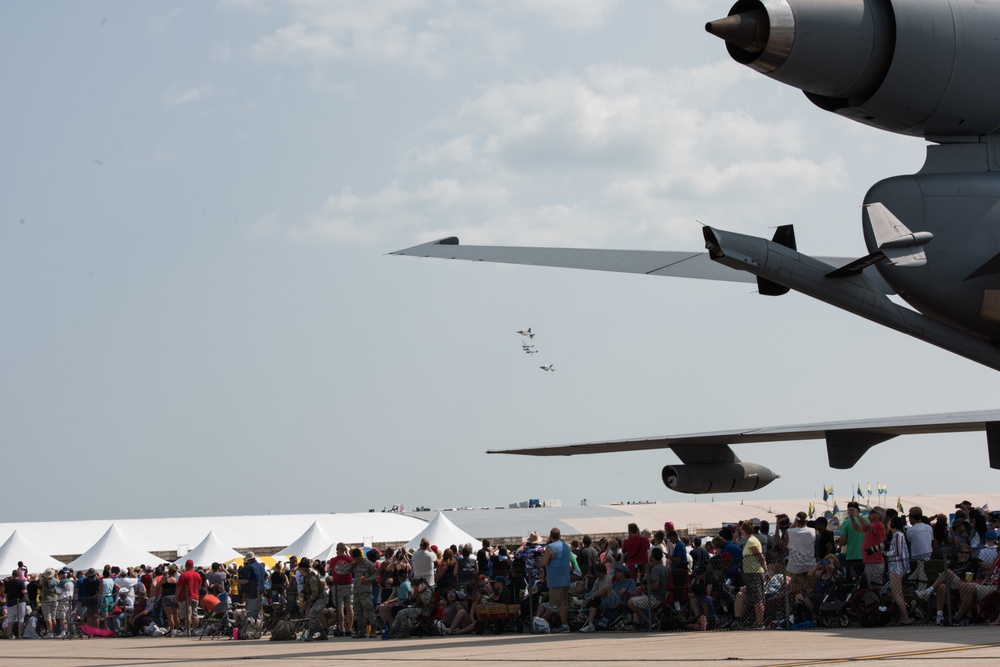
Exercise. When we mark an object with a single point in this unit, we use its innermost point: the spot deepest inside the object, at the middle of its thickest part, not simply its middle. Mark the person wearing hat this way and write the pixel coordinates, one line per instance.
(48, 597)
(64, 587)
(251, 577)
(187, 596)
(801, 553)
(364, 574)
(90, 597)
(730, 547)
(873, 546)
(312, 600)
(607, 595)
(530, 554)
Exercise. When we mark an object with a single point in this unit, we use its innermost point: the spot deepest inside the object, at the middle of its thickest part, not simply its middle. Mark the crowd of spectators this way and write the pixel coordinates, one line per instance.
(873, 566)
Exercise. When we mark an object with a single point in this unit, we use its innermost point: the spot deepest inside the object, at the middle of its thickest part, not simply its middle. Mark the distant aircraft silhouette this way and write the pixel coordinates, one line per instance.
(548, 367)
(526, 332)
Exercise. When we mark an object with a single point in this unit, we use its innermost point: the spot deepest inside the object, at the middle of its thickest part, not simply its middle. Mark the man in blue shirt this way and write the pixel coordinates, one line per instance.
(556, 562)
(730, 547)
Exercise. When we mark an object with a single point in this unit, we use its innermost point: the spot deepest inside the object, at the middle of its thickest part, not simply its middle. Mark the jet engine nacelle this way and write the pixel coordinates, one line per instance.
(717, 477)
(916, 68)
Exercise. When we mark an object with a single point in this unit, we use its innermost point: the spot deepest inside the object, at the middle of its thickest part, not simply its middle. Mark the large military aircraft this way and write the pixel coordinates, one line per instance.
(921, 68)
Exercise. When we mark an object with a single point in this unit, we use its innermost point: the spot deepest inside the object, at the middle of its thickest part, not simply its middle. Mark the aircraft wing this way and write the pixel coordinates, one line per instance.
(846, 440)
(676, 264)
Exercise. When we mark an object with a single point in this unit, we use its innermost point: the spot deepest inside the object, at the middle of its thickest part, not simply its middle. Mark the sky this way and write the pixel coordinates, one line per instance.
(196, 203)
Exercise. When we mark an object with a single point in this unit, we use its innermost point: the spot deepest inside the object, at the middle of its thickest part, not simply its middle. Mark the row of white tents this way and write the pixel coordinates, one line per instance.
(116, 548)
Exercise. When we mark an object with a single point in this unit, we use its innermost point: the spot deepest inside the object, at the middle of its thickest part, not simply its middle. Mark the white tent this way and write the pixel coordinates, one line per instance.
(210, 550)
(18, 548)
(310, 543)
(114, 549)
(442, 532)
(326, 554)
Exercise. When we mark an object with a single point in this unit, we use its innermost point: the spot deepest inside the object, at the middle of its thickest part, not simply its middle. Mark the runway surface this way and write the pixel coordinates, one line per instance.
(965, 646)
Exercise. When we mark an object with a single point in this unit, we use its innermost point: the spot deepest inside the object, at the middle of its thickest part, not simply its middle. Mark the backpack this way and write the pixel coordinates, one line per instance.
(283, 631)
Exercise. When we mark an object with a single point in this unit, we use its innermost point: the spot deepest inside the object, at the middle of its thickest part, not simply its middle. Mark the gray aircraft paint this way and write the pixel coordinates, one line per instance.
(917, 68)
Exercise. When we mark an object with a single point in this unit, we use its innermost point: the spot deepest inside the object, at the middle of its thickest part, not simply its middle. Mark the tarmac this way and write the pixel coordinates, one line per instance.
(926, 645)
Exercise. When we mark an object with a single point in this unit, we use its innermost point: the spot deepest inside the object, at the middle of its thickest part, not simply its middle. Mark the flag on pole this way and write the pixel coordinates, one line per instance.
(836, 510)
(859, 490)
(826, 496)
(812, 509)
(899, 506)
(831, 489)
(869, 489)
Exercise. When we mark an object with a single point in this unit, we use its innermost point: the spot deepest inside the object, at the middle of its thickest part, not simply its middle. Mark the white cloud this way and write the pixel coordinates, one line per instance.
(612, 155)
(573, 14)
(186, 94)
(163, 21)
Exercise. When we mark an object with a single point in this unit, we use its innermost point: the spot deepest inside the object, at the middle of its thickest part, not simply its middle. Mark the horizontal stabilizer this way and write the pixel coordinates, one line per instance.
(896, 243)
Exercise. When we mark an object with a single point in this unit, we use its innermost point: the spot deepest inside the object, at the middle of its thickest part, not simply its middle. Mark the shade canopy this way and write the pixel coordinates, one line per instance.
(114, 548)
(308, 545)
(18, 548)
(442, 532)
(209, 550)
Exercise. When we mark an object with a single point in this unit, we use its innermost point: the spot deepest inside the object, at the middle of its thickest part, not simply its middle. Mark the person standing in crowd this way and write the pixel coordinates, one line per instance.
(16, 590)
(529, 554)
(216, 576)
(65, 589)
(852, 536)
(251, 577)
(555, 560)
(920, 537)
(188, 585)
(898, 557)
(636, 549)
(424, 563)
(873, 547)
(313, 600)
(48, 596)
(753, 572)
(587, 558)
(801, 553)
(342, 590)
(90, 597)
(364, 574)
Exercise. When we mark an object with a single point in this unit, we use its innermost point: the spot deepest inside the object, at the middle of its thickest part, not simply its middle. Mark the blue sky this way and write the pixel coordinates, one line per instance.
(198, 197)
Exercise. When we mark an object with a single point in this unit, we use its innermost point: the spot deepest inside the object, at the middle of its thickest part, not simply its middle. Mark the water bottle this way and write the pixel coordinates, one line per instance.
(236, 633)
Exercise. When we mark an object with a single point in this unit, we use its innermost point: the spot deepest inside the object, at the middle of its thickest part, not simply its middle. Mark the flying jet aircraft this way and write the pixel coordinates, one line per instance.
(529, 350)
(921, 69)
(524, 332)
(548, 367)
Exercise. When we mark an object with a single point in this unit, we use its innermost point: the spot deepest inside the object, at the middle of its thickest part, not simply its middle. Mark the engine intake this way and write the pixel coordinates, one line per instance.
(916, 68)
(717, 477)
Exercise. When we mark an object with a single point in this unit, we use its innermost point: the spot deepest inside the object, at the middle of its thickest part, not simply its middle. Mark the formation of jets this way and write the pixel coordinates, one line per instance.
(529, 348)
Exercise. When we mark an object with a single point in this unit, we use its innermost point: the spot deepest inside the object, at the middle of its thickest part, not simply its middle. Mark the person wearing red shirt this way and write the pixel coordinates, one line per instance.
(636, 550)
(342, 590)
(873, 546)
(187, 595)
